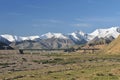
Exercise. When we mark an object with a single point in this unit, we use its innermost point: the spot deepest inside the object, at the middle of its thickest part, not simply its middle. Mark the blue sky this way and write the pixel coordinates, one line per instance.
(36, 17)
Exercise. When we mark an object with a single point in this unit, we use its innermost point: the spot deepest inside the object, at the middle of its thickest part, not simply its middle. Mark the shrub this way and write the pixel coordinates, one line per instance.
(99, 74)
(111, 74)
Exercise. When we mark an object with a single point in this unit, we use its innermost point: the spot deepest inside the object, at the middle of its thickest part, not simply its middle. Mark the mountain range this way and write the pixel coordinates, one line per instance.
(59, 40)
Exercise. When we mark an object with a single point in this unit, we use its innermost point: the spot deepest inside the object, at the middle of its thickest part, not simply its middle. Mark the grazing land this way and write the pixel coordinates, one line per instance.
(59, 66)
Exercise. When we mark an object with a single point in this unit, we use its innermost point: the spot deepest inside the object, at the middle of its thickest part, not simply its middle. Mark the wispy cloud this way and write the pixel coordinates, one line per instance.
(82, 25)
(52, 21)
(98, 19)
(46, 22)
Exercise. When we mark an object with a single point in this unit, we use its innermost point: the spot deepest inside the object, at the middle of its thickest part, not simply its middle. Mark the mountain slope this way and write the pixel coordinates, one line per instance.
(100, 41)
(4, 43)
(78, 37)
(113, 47)
(52, 43)
(4, 46)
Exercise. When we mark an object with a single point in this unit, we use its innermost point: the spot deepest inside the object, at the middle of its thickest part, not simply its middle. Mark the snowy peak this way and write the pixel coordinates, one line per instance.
(3, 40)
(102, 33)
(28, 38)
(78, 35)
(53, 35)
(12, 38)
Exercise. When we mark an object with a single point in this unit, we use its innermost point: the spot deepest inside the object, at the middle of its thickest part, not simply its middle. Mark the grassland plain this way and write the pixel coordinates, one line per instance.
(59, 66)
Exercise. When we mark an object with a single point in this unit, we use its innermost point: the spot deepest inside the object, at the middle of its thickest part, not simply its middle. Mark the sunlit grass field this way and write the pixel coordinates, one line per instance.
(68, 66)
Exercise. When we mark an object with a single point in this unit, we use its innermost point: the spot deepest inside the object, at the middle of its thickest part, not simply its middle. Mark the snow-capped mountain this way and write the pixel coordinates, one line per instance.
(4, 43)
(32, 38)
(77, 37)
(3, 40)
(53, 35)
(12, 38)
(105, 33)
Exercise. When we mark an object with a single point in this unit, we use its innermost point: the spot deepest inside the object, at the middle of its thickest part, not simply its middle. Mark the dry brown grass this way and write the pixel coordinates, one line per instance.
(59, 66)
(113, 47)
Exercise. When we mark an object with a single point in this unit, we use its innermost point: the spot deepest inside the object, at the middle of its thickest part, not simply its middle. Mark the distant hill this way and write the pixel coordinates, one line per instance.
(113, 47)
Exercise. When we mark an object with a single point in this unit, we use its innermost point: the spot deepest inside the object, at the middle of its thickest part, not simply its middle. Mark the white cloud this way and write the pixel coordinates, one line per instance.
(82, 25)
